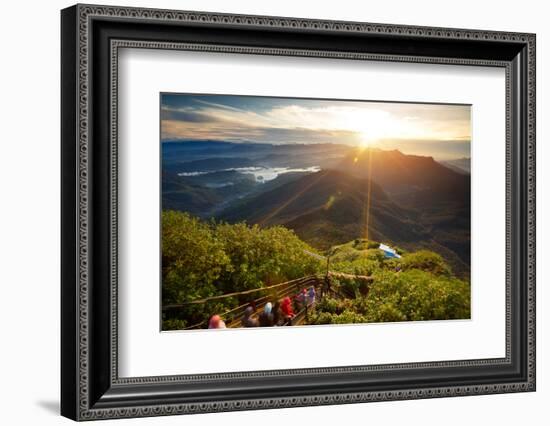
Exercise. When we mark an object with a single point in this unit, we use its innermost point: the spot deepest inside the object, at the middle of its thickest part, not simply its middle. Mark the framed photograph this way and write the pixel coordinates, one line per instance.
(263, 212)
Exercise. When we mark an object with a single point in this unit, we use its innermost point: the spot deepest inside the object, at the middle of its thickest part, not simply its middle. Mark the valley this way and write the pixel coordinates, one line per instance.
(328, 194)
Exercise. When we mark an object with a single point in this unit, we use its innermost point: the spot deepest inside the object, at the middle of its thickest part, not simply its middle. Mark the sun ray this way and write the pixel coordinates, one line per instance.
(291, 199)
(369, 189)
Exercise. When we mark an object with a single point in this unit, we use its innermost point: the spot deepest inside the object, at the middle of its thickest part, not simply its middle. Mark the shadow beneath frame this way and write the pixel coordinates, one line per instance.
(50, 406)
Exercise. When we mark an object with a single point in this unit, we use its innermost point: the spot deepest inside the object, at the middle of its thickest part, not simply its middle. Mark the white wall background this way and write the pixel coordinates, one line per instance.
(29, 213)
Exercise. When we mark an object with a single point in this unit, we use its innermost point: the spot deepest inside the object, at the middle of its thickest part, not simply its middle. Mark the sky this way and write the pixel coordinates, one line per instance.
(439, 130)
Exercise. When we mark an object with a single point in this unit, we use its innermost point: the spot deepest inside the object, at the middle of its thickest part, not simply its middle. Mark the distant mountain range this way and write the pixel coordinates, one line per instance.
(400, 174)
(204, 177)
(329, 207)
(176, 155)
(460, 165)
(321, 192)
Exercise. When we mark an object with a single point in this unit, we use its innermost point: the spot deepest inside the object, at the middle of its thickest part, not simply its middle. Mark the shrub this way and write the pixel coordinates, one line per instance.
(261, 257)
(347, 316)
(426, 260)
(404, 296)
(416, 295)
(321, 318)
(328, 305)
(192, 258)
(364, 244)
(344, 254)
(348, 286)
(202, 259)
(173, 324)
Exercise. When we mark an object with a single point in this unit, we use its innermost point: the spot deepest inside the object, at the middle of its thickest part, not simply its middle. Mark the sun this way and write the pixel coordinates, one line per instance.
(373, 130)
(367, 139)
(365, 142)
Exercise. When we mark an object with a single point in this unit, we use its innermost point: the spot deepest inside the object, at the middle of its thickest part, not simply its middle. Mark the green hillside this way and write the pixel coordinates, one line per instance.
(418, 286)
(329, 207)
(203, 259)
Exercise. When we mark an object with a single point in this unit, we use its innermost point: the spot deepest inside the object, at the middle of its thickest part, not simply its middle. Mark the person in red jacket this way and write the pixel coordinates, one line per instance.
(286, 309)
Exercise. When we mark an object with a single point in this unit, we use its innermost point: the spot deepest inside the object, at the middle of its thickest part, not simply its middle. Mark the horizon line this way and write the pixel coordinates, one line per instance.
(356, 147)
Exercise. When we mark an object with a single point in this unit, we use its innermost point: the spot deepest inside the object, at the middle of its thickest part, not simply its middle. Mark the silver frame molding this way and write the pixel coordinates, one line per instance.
(91, 388)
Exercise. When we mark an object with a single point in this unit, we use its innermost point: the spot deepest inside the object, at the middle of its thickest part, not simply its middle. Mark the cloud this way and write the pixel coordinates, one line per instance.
(288, 120)
(173, 130)
(186, 115)
(220, 106)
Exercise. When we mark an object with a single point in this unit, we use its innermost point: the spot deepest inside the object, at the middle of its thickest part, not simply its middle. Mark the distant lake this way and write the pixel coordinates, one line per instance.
(261, 174)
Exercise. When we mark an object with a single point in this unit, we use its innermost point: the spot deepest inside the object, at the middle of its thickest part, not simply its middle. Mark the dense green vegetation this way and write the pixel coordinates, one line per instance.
(419, 286)
(202, 259)
(414, 295)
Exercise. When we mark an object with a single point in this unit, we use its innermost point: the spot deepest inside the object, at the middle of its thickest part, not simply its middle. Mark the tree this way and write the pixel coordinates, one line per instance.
(260, 257)
(192, 261)
(201, 259)
(415, 296)
(426, 260)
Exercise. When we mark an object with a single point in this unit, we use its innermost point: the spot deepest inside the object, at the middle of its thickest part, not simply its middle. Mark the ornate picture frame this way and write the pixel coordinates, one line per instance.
(91, 37)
